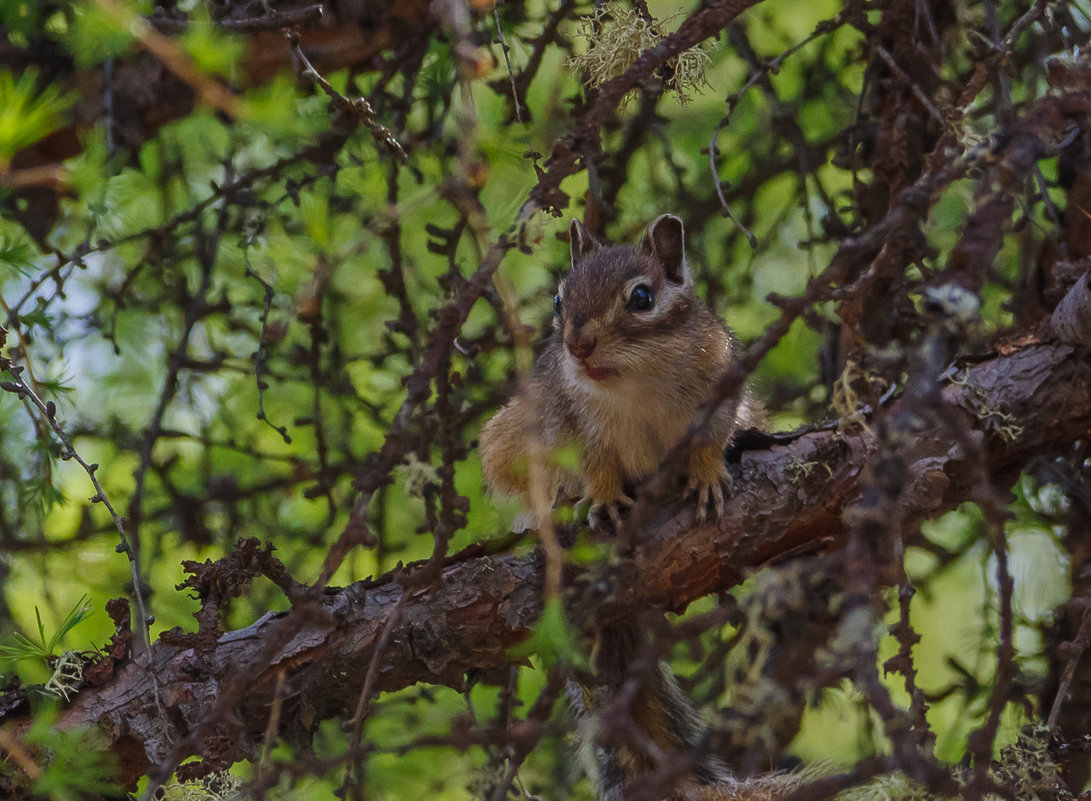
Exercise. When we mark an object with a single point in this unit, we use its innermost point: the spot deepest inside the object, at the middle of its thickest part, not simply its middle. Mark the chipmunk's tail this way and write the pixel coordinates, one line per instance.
(638, 728)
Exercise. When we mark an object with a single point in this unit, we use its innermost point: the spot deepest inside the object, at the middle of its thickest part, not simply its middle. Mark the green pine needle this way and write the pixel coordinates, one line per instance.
(24, 647)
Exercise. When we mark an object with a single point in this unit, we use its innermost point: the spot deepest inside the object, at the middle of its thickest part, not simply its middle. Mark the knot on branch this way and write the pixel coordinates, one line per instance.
(217, 582)
(118, 650)
(228, 577)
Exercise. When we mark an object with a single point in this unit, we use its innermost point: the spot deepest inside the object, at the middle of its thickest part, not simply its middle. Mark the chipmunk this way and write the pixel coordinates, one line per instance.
(633, 355)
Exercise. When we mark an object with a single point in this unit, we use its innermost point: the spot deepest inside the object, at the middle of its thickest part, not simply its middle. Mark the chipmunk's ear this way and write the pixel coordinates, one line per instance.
(665, 241)
(583, 244)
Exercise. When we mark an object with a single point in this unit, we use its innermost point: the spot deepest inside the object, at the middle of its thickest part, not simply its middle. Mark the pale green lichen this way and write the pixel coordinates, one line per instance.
(616, 36)
(893, 787)
(67, 674)
(847, 404)
(761, 708)
(417, 475)
(213, 787)
(1005, 424)
(799, 468)
(1026, 768)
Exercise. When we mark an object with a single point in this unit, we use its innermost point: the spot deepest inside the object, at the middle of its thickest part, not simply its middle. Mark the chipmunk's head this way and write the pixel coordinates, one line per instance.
(621, 304)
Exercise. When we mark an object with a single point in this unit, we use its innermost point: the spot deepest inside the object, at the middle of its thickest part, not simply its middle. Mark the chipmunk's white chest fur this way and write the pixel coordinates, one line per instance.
(629, 419)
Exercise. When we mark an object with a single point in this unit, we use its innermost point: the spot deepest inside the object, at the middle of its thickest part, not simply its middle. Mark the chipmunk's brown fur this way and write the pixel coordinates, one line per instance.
(664, 729)
(633, 355)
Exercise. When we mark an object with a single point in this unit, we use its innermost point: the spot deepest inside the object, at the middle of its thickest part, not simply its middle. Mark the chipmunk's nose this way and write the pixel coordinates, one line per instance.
(582, 346)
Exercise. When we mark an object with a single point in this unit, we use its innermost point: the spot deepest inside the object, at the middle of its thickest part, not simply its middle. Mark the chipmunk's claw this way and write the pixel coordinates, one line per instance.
(709, 496)
(600, 512)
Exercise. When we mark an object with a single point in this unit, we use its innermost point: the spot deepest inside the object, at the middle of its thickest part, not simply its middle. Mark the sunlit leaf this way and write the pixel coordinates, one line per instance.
(28, 111)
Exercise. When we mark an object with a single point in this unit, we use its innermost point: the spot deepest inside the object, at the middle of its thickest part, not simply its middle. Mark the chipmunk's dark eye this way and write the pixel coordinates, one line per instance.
(640, 299)
(557, 305)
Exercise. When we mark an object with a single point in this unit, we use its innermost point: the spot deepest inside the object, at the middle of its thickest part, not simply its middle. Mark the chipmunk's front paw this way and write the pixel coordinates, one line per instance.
(603, 513)
(710, 482)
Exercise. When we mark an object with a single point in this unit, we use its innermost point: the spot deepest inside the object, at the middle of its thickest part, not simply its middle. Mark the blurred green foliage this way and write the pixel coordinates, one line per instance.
(77, 762)
(28, 111)
(139, 314)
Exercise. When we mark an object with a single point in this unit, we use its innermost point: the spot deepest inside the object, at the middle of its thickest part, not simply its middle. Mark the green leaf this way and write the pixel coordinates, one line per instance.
(16, 254)
(38, 318)
(41, 628)
(78, 761)
(100, 33)
(79, 613)
(214, 51)
(314, 207)
(20, 16)
(24, 647)
(49, 498)
(28, 111)
(21, 647)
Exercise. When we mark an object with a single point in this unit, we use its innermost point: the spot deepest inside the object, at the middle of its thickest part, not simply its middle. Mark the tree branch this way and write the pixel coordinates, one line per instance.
(788, 501)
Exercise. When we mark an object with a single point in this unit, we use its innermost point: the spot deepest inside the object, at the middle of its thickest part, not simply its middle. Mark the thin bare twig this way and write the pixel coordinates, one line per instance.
(922, 98)
(274, 20)
(68, 451)
(354, 768)
(359, 109)
(1079, 645)
(507, 60)
(260, 354)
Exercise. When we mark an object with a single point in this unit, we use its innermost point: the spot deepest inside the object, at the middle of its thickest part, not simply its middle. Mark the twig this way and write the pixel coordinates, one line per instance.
(980, 742)
(360, 108)
(272, 21)
(907, 637)
(1078, 646)
(418, 389)
(522, 747)
(49, 412)
(363, 701)
(260, 354)
(566, 153)
(549, 34)
(227, 190)
(272, 728)
(19, 754)
(507, 60)
(903, 76)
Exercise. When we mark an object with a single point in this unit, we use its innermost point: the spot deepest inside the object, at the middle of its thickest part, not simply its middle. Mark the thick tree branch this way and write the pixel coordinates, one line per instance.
(789, 500)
